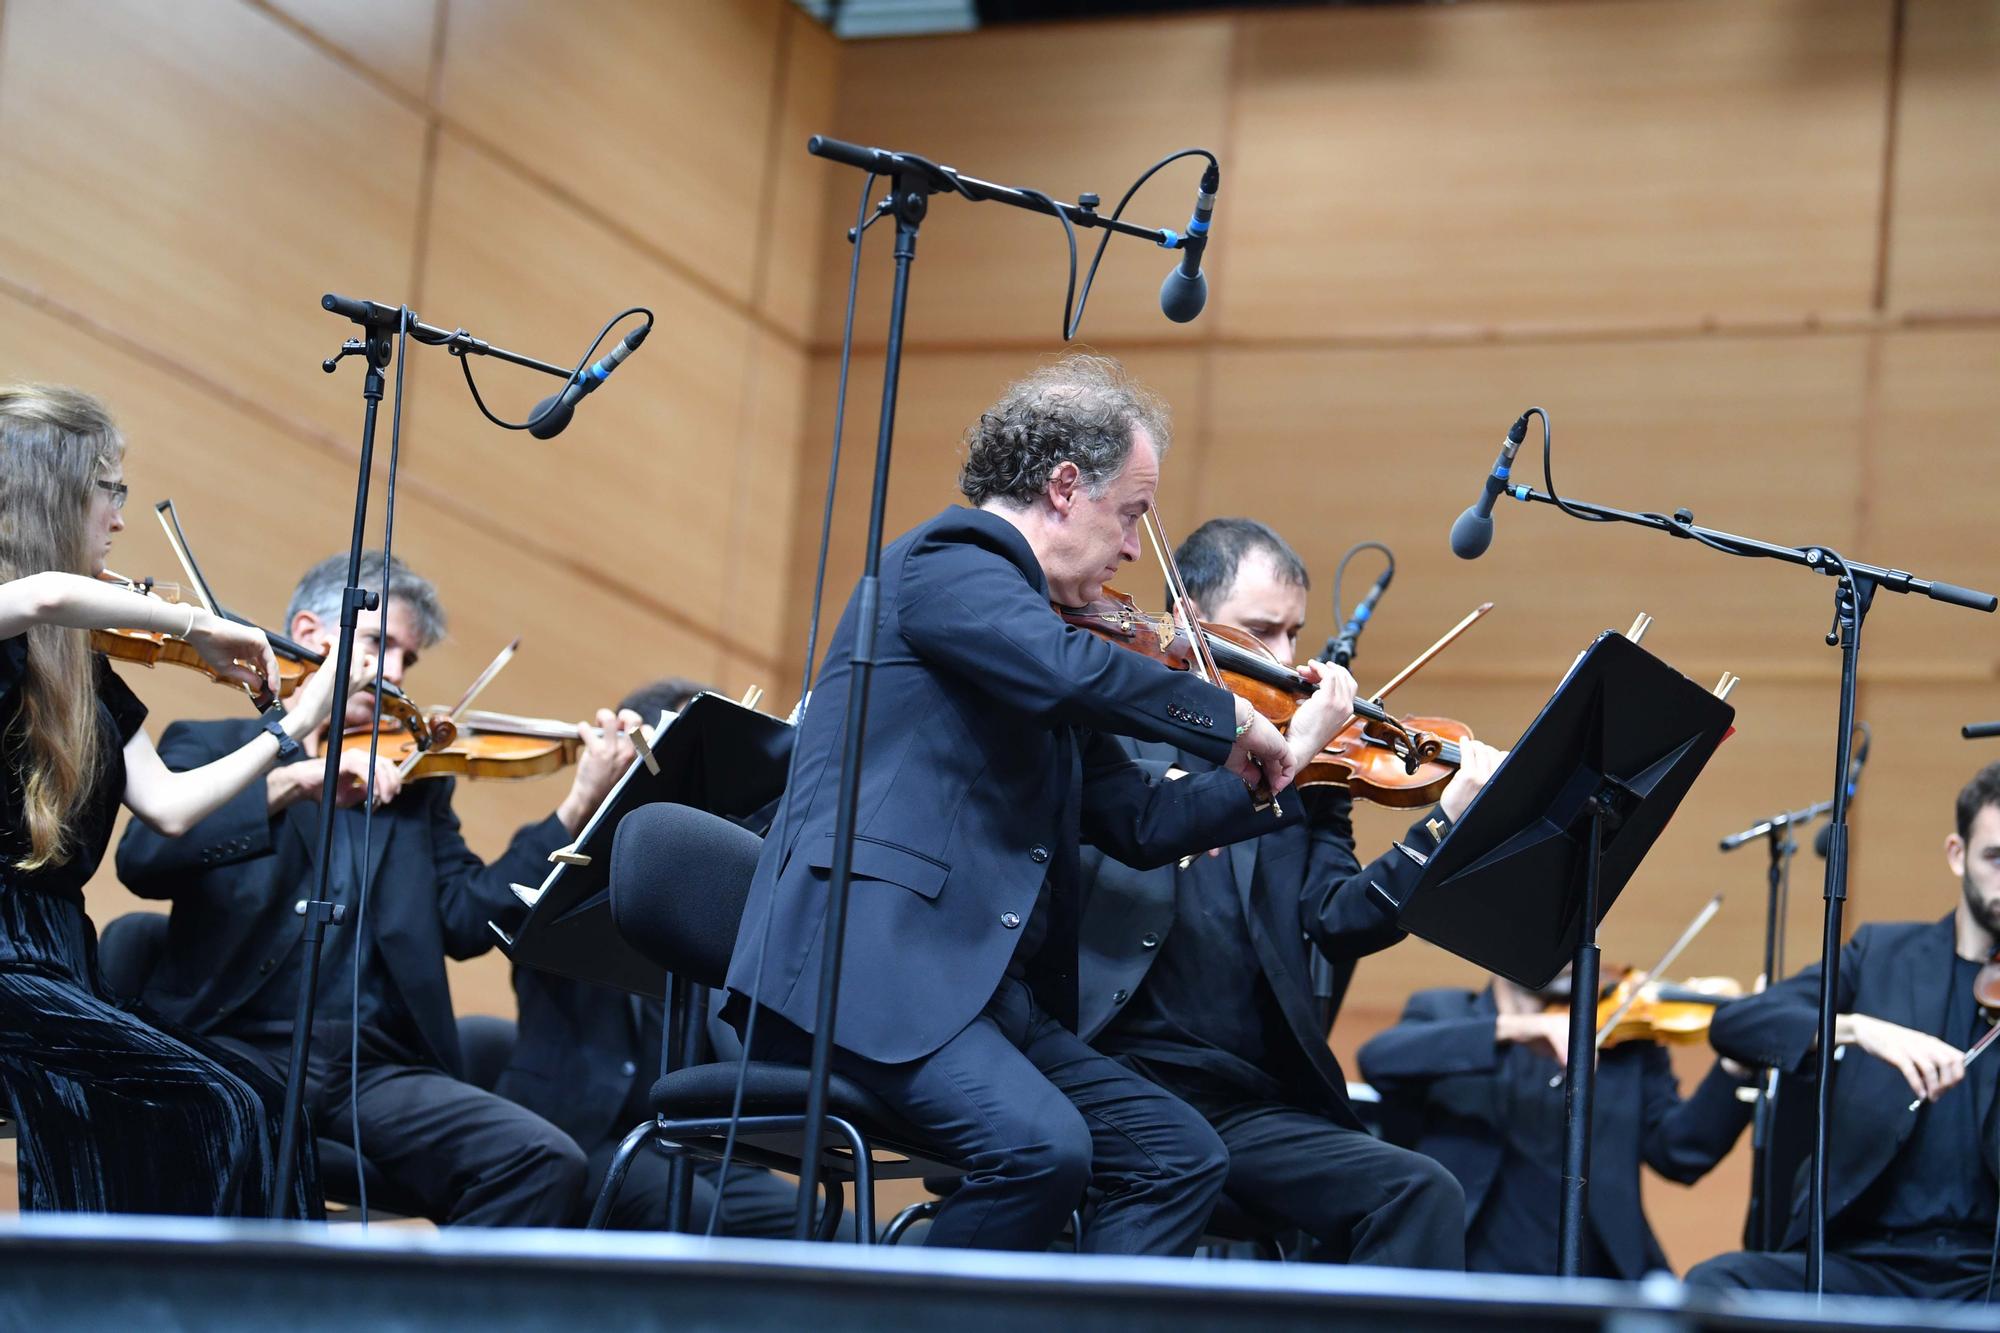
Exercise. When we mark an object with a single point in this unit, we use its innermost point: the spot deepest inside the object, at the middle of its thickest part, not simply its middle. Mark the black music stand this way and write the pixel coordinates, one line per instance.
(1520, 884)
(714, 755)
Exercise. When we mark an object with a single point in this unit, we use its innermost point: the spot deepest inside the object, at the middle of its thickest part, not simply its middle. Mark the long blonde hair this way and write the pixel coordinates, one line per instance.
(54, 442)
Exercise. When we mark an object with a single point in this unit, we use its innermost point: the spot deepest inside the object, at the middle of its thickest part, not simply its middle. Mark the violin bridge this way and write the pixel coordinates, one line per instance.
(1639, 627)
(1730, 680)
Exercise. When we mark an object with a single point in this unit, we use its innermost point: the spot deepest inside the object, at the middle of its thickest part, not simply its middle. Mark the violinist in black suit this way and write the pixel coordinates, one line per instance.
(1199, 977)
(1910, 1208)
(231, 967)
(1472, 1079)
(987, 759)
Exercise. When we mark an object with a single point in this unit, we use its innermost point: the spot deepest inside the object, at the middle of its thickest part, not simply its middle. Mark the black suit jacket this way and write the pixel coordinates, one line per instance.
(982, 768)
(1438, 1073)
(1890, 971)
(234, 877)
(1300, 886)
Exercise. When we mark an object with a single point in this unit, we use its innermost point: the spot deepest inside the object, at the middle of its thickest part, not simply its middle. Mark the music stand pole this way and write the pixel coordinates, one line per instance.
(1580, 1088)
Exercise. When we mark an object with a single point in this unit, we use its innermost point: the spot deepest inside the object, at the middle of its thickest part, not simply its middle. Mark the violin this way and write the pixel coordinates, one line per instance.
(487, 747)
(1397, 762)
(1634, 1008)
(295, 661)
(1985, 993)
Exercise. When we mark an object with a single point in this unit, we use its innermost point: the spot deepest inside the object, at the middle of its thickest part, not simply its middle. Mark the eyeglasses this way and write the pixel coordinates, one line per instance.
(117, 490)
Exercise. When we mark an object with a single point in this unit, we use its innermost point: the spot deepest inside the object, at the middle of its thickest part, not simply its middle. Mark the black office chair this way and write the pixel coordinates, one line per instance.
(679, 880)
(130, 947)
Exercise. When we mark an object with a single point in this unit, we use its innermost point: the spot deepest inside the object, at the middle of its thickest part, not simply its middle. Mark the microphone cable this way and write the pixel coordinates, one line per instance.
(575, 376)
(1339, 571)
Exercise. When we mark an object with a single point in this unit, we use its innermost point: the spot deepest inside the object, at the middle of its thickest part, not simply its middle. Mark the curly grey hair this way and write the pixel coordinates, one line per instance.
(1082, 409)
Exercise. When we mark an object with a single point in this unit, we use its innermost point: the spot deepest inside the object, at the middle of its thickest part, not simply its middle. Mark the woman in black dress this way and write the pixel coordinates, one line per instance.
(112, 1113)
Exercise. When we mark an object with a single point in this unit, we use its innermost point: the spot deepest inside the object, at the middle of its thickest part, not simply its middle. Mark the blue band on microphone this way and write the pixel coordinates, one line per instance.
(1169, 239)
(1196, 227)
(1503, 472)
(1520, 492)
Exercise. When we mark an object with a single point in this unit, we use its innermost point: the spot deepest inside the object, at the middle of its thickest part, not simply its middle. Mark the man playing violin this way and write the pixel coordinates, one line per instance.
(458, 1154)
(986, 761)
(1910, 1210)
(1201, 978)
(1474, 1080)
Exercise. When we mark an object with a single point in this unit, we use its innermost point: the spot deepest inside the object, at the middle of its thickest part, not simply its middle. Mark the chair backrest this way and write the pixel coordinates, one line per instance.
(485, 1046)
(679, 879)
(128, 949)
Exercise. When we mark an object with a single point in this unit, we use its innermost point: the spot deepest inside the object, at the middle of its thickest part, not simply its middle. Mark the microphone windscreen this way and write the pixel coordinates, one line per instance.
(1181, 296)
(550, 426)
(1471, 534)
(1821, 840)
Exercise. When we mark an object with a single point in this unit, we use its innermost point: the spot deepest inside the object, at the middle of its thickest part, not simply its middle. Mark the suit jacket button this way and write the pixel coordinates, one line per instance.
(1010, 919)
(1120, 996)
(1149, 941)
(265, 967)
(629, 1068)
(1038, 854)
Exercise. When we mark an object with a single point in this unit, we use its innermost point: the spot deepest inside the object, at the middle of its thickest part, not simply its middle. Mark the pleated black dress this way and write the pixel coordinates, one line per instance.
(113, 1112)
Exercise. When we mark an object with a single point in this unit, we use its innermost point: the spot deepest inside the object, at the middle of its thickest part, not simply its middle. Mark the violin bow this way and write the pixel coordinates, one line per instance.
(1183, 605)
(480, 682)
(176, 539)
(1430, 652)
(1695, 927)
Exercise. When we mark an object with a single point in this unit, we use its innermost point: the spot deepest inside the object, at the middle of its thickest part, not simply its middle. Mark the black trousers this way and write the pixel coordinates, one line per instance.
(1364, 1201)
(1936, 1266)
(1037, 1116)
(471, 1158)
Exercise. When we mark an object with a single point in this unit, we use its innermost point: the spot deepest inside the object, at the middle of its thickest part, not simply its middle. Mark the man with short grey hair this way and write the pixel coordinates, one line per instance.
(385, 1041)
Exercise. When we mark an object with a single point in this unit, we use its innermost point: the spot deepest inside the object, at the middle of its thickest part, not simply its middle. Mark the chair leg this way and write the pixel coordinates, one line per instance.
(829, 1213)
(864, 1180)
(614, 1178)
(909, 1217)
(680, 1194)
(1076, 1230)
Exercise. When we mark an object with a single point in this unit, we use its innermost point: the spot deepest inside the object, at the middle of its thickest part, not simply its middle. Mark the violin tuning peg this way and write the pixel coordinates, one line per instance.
(1639, 627)
(1730, 680)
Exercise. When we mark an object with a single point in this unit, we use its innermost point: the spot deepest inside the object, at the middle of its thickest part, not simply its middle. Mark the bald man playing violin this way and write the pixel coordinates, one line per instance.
(1201, 976)
(1910, 1209)
(987, 760)
(448, 1150)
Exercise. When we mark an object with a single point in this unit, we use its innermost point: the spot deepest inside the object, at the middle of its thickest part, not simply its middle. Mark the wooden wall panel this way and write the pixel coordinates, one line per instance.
(763, 532)
(1931, 443)
(1061, 109)
(1537, 163)
(655, 114)
(204, 215)
(1759, 436)
(391, 37)
(1945, 230)
(630, 494)
(796, 223)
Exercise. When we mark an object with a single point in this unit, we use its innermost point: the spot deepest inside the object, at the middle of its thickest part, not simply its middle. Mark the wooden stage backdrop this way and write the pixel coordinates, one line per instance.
(1748, 255)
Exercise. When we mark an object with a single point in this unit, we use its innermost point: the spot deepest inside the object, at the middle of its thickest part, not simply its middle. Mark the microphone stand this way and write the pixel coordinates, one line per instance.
(1777, 834)
(913, 180)
(1854, 593)
(379, 323)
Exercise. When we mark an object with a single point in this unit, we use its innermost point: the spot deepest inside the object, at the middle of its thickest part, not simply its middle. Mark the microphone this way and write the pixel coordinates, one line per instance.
(553, 412)
(1185, 290)
(1854, 766)
(1473, 532)
(1340, 650)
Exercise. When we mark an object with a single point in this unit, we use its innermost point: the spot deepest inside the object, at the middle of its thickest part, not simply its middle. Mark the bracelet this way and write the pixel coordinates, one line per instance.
(190, 625)
(1246, 726)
